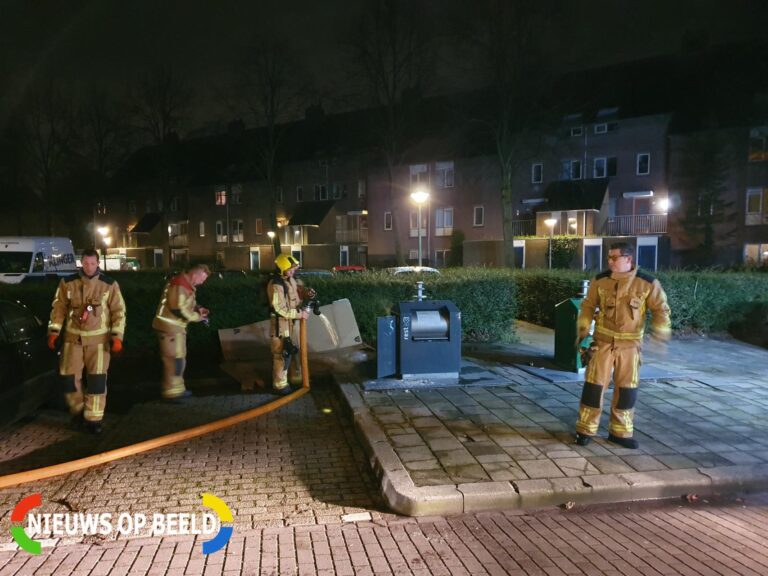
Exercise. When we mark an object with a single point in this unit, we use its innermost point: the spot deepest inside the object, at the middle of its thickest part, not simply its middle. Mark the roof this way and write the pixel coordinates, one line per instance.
(576, 195)
(311, 213)
(147, 223)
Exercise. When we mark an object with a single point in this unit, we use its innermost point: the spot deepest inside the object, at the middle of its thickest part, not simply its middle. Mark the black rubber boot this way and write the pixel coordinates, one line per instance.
(630, 443)
(583, 439)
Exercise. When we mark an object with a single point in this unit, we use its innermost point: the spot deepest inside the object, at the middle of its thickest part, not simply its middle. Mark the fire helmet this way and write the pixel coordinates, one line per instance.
(285, 262)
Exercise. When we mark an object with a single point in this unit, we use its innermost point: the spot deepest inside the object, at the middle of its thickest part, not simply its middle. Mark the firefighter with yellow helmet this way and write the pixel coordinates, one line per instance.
(89, 307)
(285, 295)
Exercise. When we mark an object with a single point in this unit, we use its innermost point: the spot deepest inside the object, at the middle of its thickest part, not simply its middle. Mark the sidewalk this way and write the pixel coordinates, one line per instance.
(702, 430)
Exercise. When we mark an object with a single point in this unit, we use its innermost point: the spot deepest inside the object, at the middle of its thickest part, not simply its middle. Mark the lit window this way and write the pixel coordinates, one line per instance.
(443, 221)
(221, 198)
(201, 228)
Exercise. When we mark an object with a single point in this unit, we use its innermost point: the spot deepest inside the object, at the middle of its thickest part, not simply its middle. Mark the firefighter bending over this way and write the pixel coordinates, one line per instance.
(621, 295)
(178, 307)
(94, 311)
(285, 295)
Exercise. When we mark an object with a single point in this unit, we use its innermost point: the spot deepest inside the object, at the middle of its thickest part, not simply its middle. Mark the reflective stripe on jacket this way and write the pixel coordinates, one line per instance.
(621, 300)
(178, 306)
(70, 309)
(284, 301)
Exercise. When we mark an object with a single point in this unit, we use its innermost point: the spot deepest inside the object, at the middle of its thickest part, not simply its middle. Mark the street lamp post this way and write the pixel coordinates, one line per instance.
(419, 196)
(550, 222)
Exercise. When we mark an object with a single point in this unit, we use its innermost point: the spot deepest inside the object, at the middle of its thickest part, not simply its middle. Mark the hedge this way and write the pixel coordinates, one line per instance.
(489, 299)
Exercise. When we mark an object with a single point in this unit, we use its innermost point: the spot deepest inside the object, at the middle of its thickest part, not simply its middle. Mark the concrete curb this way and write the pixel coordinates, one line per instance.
(404, 497)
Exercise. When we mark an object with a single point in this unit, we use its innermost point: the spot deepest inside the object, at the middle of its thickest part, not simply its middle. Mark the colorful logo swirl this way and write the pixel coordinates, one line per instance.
(17, 516)
(225, 515)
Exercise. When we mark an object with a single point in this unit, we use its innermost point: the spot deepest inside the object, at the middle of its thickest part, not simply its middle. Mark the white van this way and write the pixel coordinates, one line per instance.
(35, 257)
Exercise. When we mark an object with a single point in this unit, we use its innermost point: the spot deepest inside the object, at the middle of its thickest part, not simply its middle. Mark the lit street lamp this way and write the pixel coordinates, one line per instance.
(551, 223)
(419, 196)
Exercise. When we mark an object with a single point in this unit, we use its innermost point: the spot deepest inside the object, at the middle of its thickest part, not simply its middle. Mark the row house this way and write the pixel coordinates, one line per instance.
(206, 202)
(596, 178)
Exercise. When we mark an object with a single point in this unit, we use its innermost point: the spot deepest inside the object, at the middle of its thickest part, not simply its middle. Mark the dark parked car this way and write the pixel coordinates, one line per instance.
(27, 366)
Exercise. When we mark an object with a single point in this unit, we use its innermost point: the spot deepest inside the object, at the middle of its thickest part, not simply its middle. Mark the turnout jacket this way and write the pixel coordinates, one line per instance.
(178, 306)
(284, 295)
(621, 300)
(95, 325)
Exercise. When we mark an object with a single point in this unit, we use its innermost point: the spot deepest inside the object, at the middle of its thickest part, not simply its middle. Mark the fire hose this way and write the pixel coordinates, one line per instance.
(168, 439)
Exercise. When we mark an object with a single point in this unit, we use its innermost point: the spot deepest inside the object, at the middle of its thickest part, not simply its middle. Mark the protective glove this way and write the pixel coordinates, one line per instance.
(117, 345)
(52, 340)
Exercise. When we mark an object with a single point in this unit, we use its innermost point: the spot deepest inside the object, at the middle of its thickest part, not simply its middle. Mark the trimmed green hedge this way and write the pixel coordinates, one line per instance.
(490, 300)
(700, 301)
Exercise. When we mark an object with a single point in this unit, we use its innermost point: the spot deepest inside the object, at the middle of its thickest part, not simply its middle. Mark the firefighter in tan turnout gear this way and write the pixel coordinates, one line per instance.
(90, 309)
(285, 295)
(621, 296)
(178, 307)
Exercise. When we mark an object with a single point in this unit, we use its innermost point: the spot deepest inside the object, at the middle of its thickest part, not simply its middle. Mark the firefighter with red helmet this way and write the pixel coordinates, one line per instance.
(285, 295)
(178, 308)
(89, 307)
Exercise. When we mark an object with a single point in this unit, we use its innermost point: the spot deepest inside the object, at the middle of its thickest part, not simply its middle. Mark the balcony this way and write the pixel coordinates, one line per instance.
(351, 235)
(524, 227)
(635, 225)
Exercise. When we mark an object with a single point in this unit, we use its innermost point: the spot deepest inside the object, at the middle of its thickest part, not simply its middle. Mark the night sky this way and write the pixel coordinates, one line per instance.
(114, 41)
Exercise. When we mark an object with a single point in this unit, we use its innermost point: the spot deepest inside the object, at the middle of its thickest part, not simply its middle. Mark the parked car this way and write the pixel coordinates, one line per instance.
(27, 366)
(348, 269)
(227, 274)
(311, 273)
(413, 270)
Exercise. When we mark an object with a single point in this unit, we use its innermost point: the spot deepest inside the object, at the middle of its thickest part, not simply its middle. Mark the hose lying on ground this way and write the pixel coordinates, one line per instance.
(125, 451)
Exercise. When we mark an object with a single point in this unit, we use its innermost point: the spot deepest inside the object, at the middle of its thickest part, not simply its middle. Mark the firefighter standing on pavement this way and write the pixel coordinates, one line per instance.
(285, 295)
(177, 309)
(621, 295)
(91, 310)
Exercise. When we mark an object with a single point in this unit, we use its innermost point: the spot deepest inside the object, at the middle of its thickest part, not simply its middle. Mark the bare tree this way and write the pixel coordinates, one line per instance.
(105, 133)
(160, 104)
(708, 211)
(272, 90)
(391, 54)
(507, 39)
(49, 135)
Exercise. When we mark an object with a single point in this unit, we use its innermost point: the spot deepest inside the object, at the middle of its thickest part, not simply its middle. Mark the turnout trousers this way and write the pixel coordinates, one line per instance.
(623, 362)
(173, 353)
(94, 358)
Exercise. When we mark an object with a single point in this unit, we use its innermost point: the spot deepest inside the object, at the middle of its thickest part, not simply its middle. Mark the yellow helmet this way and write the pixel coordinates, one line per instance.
(285, 262)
